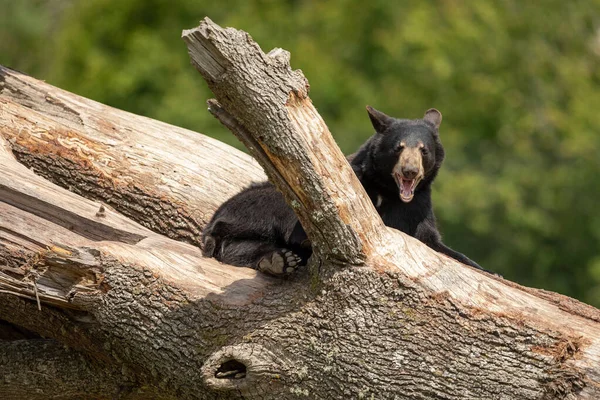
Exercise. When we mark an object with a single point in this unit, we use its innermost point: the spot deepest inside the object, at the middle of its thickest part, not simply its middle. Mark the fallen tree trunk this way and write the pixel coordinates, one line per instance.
(379, 316)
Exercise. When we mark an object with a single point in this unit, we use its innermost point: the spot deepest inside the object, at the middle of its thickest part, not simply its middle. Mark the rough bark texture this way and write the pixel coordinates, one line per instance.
(128, 311)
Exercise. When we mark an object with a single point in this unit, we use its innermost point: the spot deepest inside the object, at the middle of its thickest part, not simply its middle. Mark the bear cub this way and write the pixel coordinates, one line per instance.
(396, 166)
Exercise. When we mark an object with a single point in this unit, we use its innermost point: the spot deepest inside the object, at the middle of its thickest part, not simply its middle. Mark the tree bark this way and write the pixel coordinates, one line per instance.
(93, 257)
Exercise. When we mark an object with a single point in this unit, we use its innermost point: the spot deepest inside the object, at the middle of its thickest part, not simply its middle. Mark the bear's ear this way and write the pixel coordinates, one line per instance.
(434, 116)
(379, 120)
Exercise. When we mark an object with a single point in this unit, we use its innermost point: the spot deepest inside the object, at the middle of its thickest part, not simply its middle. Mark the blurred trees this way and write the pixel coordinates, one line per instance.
(518, 83)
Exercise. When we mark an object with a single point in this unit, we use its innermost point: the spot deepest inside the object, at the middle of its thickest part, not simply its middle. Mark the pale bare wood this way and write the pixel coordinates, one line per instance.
(39, 216)
(169, 179)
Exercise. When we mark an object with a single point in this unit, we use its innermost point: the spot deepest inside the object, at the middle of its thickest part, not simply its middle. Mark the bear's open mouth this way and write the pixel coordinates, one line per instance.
(407, 187)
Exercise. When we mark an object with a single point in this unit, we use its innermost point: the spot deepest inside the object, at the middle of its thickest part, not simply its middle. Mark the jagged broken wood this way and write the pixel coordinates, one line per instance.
(289, 138)
(389, 318)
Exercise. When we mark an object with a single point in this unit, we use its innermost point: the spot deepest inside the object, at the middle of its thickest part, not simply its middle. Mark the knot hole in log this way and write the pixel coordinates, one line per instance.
(246, 367)
(231, 369)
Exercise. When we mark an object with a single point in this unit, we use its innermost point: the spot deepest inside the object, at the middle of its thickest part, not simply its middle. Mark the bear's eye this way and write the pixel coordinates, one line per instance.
(399, 147)
(424, 151)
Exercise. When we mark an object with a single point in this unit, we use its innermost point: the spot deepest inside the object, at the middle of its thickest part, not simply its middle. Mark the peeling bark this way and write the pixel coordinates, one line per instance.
(96, 253)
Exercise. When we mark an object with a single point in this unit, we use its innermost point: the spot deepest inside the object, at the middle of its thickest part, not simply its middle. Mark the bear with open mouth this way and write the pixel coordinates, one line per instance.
(397, 165)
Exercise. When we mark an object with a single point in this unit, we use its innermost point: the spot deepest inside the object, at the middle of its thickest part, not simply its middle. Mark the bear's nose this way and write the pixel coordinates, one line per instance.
(410, 171)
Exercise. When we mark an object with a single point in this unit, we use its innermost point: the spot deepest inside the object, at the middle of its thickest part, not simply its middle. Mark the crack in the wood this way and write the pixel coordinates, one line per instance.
(87, 228)
(50, 104)
(167, 217)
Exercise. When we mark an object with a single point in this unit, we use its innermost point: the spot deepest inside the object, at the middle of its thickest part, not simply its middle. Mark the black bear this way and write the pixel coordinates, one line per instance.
(396, 166)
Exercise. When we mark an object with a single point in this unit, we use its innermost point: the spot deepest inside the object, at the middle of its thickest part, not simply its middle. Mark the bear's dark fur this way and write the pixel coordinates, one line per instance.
(396, 166)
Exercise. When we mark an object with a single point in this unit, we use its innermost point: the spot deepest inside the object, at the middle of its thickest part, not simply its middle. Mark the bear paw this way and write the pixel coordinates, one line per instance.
(280, 262)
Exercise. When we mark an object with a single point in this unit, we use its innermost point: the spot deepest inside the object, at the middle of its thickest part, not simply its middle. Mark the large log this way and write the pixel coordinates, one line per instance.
(383, 317)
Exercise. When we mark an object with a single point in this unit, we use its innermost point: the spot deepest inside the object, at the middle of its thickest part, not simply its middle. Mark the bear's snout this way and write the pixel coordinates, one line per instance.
(410, 171)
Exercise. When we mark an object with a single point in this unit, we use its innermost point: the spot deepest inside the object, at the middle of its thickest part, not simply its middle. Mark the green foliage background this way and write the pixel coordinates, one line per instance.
(518, 83)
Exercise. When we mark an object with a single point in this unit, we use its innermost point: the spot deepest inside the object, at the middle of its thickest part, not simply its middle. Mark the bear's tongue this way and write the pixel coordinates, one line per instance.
(406, 188)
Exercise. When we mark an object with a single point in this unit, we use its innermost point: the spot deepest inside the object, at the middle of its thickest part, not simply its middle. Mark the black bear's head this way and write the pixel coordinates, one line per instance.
(406, 153)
